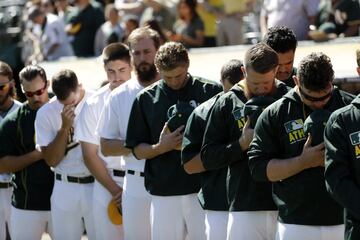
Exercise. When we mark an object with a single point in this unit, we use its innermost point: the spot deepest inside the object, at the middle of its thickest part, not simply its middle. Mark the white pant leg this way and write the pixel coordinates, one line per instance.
(216, 224)
(136, 203)
(167, 221)
(104, 228)
(300, 232)
(256, 225)
(28, 224)
(5, 210)
(194, 217)
(70, 204)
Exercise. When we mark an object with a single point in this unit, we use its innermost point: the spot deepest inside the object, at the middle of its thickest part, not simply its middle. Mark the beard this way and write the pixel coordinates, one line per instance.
(146, 72)
(4, 98)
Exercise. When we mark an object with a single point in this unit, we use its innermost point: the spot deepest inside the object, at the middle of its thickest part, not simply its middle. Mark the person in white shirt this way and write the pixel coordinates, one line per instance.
(71, 200)
(7, 105)
(108, 171)
(143, 43)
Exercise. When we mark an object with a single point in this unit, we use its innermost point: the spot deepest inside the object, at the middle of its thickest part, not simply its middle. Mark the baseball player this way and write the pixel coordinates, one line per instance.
(108, 172)
(281, 153)
(284, 42)
(342, 150)
(153, 136)
(33, 181)
(7, 105)
(227, 138)
(143, 43)
(71, 199)
(212, 195)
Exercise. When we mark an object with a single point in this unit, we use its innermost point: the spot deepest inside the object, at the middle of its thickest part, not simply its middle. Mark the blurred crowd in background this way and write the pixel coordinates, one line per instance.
(46, 30)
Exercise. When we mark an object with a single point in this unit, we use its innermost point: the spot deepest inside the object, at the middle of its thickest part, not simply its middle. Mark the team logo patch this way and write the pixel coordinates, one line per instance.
(295, 130)
(239, 117)
(355, 141)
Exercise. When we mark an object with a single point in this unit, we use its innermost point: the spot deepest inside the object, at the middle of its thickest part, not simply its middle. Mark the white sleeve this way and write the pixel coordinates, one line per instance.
(108, 126)
(44, 130)
(86, 124)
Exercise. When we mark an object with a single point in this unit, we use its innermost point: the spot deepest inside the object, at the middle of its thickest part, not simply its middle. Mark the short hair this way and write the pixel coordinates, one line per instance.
(116, 51)
(231, 71)
(315, 71)
(63, 83)
(144, 33)
(170, 56)
(5, 70)
(261, 58)
(30, 72)
(281, 39)
(358, 57)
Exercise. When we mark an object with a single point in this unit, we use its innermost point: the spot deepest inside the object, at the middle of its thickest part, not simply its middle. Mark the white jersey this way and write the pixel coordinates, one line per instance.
(6, 177)
(47, 124)
(88, 120)
(115, 117)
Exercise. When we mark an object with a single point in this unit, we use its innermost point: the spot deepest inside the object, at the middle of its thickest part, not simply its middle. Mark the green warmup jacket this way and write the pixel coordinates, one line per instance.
(32, 185)
(212, 195)
(221, 149)
(164, 174)
(342, 166)
(302, 198)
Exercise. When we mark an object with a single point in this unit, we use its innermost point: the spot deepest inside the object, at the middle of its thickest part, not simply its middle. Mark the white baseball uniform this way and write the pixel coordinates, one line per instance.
(136, 200)
(85, 132)
(71, 203)
(6, 190)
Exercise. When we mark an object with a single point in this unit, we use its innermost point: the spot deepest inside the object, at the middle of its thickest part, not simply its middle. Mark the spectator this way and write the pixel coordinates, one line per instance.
(53, 40)
(154, 25)
(295, 14)
(131, 23)
(83, 24)
(110, 31)
(189, 28)
(157, 9)
(64, 10)
(339, 18)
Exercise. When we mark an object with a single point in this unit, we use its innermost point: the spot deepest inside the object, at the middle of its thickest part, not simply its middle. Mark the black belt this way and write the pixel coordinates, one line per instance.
(81, 180)
(132, 172)
(118, 173)
(5, 185)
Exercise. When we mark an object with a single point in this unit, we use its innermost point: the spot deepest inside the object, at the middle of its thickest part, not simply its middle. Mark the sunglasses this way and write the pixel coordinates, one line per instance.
(4, 87)
(315, 99)
(37, 92)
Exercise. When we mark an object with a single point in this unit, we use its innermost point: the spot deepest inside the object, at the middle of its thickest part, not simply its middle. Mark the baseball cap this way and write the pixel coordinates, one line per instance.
(315, 125)
(254, 107)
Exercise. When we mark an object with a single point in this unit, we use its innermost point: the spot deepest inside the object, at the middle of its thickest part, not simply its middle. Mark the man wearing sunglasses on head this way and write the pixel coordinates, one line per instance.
(7, 105)
(33, 181)
(282, 154)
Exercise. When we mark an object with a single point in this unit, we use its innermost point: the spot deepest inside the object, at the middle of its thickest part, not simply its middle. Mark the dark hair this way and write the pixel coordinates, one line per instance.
(231, 71)
(30, 72)
(5, 70)
(358, 57)
(192, 6)
(261, 58)
(315, 71)
(63, 83)
(116, 51)
(281, 39)
(154, 25)
(170, 56)
(144, 33)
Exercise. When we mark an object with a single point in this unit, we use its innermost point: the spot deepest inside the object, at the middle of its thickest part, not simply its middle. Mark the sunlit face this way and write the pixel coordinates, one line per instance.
(143, 54)
(5, 88)
(260, 84)
(74, 97)
(36, 92)
(117, 72)
(176, 78)
(286, 61)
